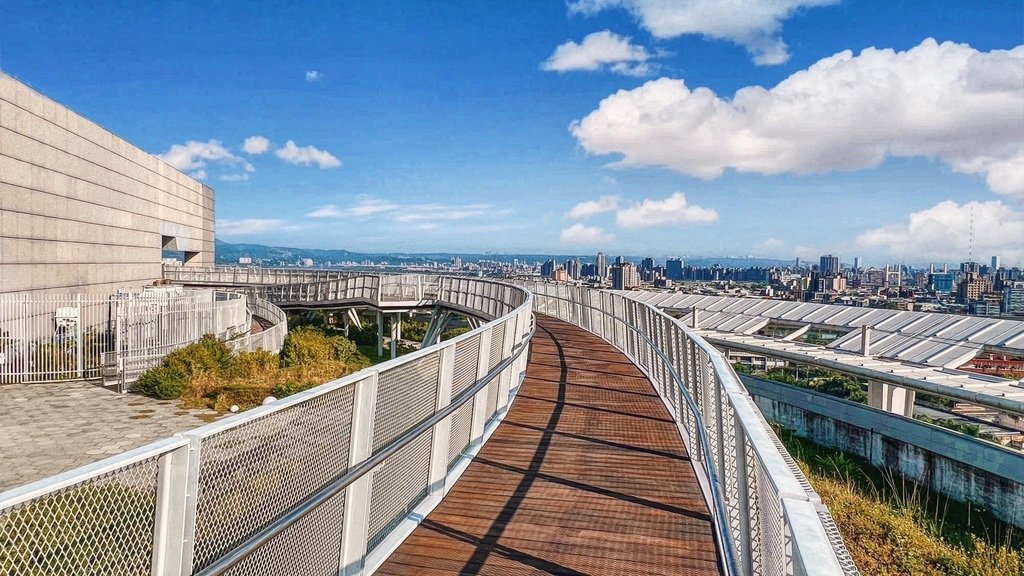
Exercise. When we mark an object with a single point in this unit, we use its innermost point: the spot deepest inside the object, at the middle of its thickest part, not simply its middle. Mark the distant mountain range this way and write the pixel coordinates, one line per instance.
(229, 253)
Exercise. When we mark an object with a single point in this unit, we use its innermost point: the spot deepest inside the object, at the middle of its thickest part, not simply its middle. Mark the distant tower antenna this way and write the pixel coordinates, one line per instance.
(970, 243)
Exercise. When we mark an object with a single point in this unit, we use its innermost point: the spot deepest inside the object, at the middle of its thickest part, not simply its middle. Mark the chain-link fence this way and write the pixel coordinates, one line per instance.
(768, 520)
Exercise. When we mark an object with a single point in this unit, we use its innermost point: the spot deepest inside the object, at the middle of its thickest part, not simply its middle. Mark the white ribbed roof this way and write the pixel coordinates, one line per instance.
(944, 340)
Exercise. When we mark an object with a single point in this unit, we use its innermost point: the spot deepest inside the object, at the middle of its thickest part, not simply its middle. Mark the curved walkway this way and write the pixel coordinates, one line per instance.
(586, 475)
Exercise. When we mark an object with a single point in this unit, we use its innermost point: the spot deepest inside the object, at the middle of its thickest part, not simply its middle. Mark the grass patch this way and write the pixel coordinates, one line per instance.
(894, 526)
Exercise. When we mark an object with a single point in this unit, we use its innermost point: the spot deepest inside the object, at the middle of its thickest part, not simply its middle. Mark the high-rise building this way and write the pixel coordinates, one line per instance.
(829, 265)
(647, 264)
(1013, 298)
(602, 265)
(674, 268)
(547, 269)
(856, 263)
(942, 282)
(971, 287)
(457, 262)
(625, 276)
(620, 260)
(995, 264)
(573, 268)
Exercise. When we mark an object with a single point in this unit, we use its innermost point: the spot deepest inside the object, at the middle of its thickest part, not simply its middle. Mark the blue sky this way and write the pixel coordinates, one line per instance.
(474, 126)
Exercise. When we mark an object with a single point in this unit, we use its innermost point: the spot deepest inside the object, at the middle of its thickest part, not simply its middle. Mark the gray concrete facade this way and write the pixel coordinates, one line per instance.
(964, 468)
(82, 210)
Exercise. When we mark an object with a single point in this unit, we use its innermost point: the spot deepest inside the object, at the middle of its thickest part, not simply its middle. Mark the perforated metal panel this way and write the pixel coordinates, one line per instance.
(462, 420)
(99, 527)
(252, 473)
(310, 547)
(405, 396)
(497, 345)
(399, 484)
(467, 354)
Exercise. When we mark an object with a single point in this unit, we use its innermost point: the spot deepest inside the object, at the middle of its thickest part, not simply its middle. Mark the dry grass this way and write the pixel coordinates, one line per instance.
(893, 526)
(248, 389)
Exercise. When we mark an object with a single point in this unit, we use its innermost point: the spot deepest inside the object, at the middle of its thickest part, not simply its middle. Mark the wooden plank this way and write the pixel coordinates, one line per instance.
(586, 475)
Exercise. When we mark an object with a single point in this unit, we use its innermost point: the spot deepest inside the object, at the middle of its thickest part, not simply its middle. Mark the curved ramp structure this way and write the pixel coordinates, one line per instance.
(629, 424)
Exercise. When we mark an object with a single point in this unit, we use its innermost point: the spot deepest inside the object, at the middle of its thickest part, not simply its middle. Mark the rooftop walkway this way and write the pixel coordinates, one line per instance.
(586, 475)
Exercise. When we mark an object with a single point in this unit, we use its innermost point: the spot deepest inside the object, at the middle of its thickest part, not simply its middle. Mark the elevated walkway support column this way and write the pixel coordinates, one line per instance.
(396, 333)
(891, 398)
(380, 333)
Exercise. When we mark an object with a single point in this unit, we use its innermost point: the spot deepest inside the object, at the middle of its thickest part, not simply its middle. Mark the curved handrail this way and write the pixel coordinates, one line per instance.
(666, 349)
(368, 455)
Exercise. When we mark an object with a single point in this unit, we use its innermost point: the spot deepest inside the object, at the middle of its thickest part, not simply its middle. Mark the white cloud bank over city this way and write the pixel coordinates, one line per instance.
(944, 233)
(581, 234)
(647, 213)
(846, 112)
(753, 24)
(603, 50)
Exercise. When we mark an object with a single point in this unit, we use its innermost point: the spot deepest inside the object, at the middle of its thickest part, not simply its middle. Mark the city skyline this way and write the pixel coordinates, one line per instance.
(374, 132)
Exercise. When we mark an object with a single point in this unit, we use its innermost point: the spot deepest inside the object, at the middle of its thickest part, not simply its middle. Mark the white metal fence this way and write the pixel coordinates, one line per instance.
(768, 519)
(328, 481)
(54, 337)
(270, 338)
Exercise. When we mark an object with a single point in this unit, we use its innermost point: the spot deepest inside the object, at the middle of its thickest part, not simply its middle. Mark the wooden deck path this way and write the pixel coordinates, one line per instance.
(586, 475)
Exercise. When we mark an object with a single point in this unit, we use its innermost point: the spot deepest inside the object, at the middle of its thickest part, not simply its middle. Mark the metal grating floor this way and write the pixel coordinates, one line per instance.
(586, 475)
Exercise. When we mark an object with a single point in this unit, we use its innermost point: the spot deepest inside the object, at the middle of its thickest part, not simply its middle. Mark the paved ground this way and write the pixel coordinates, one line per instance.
(46, 429)
(586, 475)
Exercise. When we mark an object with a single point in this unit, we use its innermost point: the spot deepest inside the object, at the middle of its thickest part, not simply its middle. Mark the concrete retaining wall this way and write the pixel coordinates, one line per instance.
(83, 210)
(962, 467)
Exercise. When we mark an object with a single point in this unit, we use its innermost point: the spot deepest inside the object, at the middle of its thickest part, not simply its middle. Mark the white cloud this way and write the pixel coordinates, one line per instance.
(671, 210)
(600, 50)
(233, 177)
(943, 232)
(845, 112)
(307, 156)
(314, 76)
(424, 216)
(256, 145)
(585, 210)
(193, 157)
(246, 226)
(770, 245)
(581, 234)
(753, 24)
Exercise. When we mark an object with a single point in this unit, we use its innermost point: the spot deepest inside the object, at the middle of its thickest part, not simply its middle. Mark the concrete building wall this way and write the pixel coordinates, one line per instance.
(83, 210)
(964, 468)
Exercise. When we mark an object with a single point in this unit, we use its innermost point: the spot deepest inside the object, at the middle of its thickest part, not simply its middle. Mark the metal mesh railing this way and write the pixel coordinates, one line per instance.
(751, 485)
(97, 520)
(335, 476)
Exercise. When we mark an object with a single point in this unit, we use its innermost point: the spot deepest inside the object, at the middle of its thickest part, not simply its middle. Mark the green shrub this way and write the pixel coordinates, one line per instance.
(306, 345)
(206, 356)
(344, 349)
(309, 345)
(163, 382)
(453, 333)
(249, 364)
(414, 330)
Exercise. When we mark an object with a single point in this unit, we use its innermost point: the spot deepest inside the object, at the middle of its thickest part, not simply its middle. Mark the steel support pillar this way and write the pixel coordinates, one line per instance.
(396, 333)
(380, 333)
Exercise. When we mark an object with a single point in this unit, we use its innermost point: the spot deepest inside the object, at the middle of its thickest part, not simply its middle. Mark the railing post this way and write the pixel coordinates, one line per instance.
(442, 430)
(358, 494)
(174, 526)
(742, 497)
(480, 415)
(512, 334)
